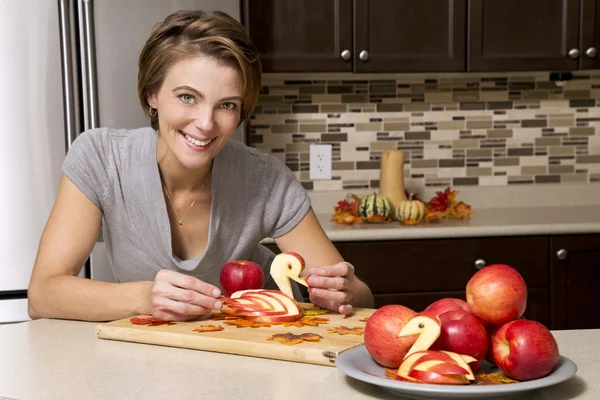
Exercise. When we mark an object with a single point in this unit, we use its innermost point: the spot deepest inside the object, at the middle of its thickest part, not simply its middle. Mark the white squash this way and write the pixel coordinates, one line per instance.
(410, 211)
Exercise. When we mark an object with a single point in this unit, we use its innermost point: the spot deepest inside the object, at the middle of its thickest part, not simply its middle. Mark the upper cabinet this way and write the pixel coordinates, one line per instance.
(590, 34)
(409, 35)
(301, 36)
(424, 35)
(359, 35)
(516, 35)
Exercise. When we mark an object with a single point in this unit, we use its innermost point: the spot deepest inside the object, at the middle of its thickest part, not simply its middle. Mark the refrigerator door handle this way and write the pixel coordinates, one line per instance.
(88, 63)
(66, 60)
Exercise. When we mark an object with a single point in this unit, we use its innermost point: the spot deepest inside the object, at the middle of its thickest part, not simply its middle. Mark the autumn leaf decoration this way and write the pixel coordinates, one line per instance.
(290, 339)
(344, 330)
(307, 321)
(244, 323)
(442, 205)
(150, 321)
(208, 328)
(314, 311)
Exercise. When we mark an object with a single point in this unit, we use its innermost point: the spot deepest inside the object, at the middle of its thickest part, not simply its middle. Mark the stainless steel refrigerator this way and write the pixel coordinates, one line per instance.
(65, 66)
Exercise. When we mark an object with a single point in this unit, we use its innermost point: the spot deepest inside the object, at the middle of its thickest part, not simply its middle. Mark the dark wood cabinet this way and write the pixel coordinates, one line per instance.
(520, 35)
(301, 36)
(409, 35)
(359, 35)
(575, 280)
(424, 36)
(590, 34)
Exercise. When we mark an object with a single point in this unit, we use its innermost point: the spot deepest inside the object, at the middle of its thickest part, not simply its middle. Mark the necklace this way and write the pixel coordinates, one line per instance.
(180, 218)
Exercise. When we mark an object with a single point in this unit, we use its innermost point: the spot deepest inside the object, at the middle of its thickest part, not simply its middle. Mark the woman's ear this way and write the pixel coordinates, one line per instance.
(152, 101)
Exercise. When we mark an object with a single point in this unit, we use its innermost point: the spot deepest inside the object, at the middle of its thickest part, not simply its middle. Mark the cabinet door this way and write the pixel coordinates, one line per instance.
(301, 35)
(409, 35)
(575, 278)
(590, 34)
(510, 35)
(434, 265)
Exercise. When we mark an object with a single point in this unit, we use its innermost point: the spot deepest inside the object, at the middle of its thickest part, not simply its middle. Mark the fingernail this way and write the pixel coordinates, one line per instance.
(218, 305)
(321, 271)
(216, 292)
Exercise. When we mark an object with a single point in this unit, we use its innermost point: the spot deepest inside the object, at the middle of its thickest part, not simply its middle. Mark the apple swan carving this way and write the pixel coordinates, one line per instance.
(286, 266)
(432, 366)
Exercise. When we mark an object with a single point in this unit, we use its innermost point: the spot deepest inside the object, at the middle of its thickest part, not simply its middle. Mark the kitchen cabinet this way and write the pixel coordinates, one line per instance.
(513, 35)
(359, 35)
(424, 36)
(575, 279)
(301, 36)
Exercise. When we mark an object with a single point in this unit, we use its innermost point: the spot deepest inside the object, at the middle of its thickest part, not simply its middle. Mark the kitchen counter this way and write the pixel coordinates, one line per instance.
(510, 221)
(54, 359)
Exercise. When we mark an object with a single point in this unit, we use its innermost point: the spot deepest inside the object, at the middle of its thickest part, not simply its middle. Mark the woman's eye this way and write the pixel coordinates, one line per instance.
(228, 106)
(186, 98)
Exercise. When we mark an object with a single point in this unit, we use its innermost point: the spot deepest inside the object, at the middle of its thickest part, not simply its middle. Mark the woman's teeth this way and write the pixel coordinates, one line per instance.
(201, 143)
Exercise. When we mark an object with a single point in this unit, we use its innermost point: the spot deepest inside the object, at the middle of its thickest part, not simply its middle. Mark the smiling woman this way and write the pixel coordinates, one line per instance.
(178, 199)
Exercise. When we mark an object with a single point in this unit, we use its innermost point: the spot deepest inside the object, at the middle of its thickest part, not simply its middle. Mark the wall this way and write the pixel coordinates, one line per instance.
(455, 129)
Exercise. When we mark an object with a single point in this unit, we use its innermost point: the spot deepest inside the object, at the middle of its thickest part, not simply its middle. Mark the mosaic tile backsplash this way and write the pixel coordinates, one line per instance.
(455, 130)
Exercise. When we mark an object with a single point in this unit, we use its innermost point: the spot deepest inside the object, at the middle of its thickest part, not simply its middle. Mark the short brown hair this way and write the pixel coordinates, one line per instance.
(186, 34)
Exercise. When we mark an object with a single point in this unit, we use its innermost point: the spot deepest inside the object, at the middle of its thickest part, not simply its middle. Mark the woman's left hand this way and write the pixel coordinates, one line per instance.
(332, 286)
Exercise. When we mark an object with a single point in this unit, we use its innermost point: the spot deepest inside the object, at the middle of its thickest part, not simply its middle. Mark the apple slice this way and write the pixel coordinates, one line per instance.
(463, 360)
(440, 367)
(407, 379)
(427, 325)
(408, 362)
(286, 266)
(434, 377)
(239, 293)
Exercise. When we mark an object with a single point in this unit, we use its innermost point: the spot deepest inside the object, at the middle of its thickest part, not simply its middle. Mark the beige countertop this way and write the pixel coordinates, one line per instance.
(512, 221)
(55, 359)
(499, 211)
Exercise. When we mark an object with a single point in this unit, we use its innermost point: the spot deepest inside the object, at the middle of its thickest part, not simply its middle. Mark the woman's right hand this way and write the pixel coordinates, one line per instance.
(180, 297)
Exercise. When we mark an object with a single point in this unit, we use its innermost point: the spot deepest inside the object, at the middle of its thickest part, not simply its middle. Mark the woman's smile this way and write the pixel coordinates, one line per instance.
(195, 143)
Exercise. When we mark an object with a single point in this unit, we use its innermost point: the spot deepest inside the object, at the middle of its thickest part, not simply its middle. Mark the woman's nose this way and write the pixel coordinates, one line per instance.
(204, 119)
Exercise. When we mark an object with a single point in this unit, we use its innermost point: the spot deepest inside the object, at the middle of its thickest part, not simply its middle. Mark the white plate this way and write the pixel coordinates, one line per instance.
(358, 364)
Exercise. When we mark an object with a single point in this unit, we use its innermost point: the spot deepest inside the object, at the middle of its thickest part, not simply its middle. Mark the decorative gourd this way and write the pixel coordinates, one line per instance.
(391, 178)
(374, 204)
(410, 211)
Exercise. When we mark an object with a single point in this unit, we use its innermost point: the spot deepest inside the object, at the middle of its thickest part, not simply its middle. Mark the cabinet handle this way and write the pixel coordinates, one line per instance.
(591, 52)
(480, 264)
(346, 54)
(364, 55)
(574, 53)
(562, 254)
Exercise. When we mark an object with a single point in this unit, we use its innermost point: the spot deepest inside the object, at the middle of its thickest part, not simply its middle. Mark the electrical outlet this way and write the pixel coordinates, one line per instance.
(320, 161)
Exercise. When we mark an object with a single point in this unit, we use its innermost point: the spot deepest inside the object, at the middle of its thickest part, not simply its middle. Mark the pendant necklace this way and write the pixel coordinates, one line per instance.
(180, 218)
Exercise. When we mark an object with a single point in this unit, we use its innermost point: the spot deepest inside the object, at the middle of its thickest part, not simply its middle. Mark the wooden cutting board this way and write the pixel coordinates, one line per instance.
(246, 341)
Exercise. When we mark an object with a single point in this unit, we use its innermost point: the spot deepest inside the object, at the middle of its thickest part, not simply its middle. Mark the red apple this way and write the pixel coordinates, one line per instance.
(241, 275)
(497, 294)
(381, 335)
(448, 304)
(491, 331)
(525, 350)
(463, 333)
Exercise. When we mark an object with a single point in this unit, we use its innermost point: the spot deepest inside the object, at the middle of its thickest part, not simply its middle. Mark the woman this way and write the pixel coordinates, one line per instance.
(180, 199)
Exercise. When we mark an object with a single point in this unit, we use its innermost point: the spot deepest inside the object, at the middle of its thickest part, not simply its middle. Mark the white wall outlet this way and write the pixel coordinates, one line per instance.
(320, 161)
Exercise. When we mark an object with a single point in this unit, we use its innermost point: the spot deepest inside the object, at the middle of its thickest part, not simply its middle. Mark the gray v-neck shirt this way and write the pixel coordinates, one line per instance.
(254, 196)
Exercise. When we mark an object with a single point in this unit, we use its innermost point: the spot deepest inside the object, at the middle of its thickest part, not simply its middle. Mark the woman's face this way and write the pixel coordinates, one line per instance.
(199, 107)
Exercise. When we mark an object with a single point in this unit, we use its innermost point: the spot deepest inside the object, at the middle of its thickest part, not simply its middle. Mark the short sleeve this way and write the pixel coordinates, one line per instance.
(287, 202)
(86, 165)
